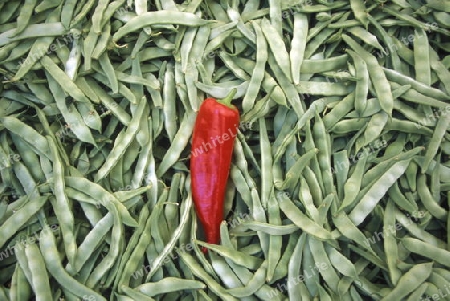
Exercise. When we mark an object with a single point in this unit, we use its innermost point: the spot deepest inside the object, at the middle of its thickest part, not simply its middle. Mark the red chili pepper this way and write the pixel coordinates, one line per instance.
(212, 147)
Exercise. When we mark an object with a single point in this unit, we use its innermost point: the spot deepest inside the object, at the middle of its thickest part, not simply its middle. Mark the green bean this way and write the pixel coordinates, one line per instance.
(414, 21)
(39, 276)
(169, 284)
(353, 184)
(158, 17)
(307, 201)
(105, 198)
(439, 132)
(320, 256)
(379, 80)
(407, 127)
(303, 222)
(339, 111)
(399, 199)
(30, 159)
(138, 251)
(266, 165)
(319, 66)
(66, 83)
(178, 144)
(414, 96)
(20, 288)
(200, 272)
(240, 258)
(424, 249)
(258, 71)
(70, 114)
(22, 260)
(298, 45)
(116, 246)
(293, 267)
(373, 130)
(37, 51)
(177, 233)
(24, 15)
(341, 169)
(359, 9)
(268, 83)
(442, 272)
(46, 4)
(267, 228)
(390, 244)
(322, 88)
(67, 12)
(274, 252)
(388, 40)
(122, 142)
(108, 70)
(378, 170)
(90, 242)
(19, 50)
(260, 109)
(186, 46)
(224, 271)
(27, 133)
(109, 103)
(276, 15)
(26, 180)
(318, 40)
(401, 79)
(169, 102)
(409, 281)
(376, 191)
(20, 217)
(365, 36)
(259, 215)
(143, 217)
(84, 273)
(234, 15)
(427, 199)
(52, 260)
(422, 58)
(362, 86)
(418, 292)
(349, 230)
(135, 295)
(441, 70)
(61, 206)
(278, 48)
(295, 171)
(253, 285)
(50, 29)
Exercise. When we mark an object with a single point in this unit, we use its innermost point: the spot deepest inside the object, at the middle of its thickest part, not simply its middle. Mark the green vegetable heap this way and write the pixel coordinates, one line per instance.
(339, 185)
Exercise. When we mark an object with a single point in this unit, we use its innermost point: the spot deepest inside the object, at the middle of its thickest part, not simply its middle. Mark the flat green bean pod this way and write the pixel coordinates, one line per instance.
(159, 17)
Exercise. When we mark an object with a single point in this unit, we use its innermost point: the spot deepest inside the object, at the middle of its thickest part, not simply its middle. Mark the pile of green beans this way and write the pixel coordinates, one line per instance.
(340, 182)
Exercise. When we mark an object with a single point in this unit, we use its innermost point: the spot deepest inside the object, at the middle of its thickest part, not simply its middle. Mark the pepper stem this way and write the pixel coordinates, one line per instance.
(227, 99)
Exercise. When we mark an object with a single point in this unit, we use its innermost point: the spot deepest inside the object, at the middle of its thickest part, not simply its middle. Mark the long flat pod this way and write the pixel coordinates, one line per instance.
(298, 45)
(19, 218)
(301, 220)
(377, 191)
(71, 115)
(52, 259)
(380, 82)
(159, 17)
(120, 145)
(409, 281)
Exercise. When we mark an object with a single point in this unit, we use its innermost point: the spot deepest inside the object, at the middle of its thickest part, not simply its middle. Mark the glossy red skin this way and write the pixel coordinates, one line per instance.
(210, 169)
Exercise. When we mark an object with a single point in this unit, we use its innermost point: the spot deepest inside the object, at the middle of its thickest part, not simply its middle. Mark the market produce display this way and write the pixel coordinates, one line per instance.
(339, 181)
